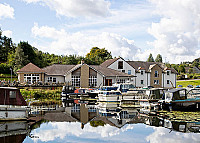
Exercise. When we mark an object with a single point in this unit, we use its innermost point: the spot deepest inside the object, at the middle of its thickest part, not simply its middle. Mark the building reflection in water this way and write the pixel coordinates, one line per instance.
(95, 115)
(113, 114)
(13, 132)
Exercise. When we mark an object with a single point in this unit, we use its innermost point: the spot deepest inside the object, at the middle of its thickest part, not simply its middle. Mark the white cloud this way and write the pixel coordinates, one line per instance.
(64, 129)
(80, 43)
(163, 135)
(7, 33)
(177, 33)
(76, 8)
(6, 11)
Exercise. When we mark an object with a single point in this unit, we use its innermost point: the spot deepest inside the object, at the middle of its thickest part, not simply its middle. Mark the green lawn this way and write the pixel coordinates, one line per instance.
(185, 83)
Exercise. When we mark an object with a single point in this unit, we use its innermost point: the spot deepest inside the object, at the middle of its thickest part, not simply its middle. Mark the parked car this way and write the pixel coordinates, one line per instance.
(198, 86)
(190, 86)
(180, 86)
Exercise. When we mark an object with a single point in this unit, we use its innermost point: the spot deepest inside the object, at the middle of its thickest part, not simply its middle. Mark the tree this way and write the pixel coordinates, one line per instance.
(6, 47)
(20, 59)
(195, 63)
(158, 58)
(181, 69)
(190, 70)
(29, 52)
(150, 59)
(96, 56)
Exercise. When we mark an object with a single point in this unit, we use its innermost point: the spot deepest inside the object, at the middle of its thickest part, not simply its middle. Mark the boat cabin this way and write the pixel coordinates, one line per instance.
(126, 87)
(109, 88)
(155, 93)
(110, 93)
(11, 96)
(175, 94)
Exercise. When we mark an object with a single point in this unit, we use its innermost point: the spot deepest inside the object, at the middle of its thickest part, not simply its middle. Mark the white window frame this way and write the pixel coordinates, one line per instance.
(156, 82)
(75, 80)
(93, 81)
(129, 72)
(31, 78)
(121, 81)
(156, 74)
(142, 82)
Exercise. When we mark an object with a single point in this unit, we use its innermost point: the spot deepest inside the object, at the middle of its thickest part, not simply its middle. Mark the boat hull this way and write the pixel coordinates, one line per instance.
(114, 98)
(13, 113)
(182, 106)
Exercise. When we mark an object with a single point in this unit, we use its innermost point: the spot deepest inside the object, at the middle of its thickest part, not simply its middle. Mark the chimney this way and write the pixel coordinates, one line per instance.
(82, 61)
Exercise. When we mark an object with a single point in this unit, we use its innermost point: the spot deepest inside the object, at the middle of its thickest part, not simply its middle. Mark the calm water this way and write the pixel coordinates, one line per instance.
(100, 123)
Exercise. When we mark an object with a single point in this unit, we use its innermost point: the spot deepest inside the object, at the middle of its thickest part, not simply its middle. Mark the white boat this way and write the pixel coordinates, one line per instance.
(12, 104)
(110, 96)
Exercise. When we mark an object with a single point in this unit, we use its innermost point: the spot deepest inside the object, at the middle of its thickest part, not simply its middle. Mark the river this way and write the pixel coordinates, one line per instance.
(103, 123)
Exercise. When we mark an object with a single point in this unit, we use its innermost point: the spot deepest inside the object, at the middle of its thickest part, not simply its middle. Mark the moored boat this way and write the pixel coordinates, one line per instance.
(176, 99)
(109, 96)
(12, 104)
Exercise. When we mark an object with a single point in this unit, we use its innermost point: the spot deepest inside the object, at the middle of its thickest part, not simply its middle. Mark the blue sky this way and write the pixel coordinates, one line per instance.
(131, 29)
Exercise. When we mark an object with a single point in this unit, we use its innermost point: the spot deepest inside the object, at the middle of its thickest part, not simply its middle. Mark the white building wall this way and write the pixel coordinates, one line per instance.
(68, 78)
(126, 67)
(99, 80)
(60, 79)
(143, 77)
(148, 78)
(171, 77)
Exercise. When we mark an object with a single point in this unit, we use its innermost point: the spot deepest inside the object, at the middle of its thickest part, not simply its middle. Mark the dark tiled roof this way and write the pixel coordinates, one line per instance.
(144, 65)
(31, 68)
(110, 72)
(148, 65)
(173, 70)
(73, 68)
(57, 69)
(109, 62)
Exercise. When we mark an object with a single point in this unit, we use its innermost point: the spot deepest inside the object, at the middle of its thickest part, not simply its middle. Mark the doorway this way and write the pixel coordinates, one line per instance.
(108, 82)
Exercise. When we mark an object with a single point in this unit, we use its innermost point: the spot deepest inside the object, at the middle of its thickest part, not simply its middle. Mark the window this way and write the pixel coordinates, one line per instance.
(93, 81)
(120, 65)
(156, 81)
(123, 71)
(167, 72)
(121, 81)
(129, 72)
(142, 81)
(156, 73)
(142, 72)
(54, 79)
(49, 79)
(31, 78)
(75, 81)
(167, 81)
(12, 94)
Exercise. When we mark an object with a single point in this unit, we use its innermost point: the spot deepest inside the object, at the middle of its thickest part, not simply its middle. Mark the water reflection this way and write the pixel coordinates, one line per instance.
(102, 122)
(13, 132)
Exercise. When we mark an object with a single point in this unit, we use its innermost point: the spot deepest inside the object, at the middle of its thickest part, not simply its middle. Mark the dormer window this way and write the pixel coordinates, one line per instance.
(120, 64)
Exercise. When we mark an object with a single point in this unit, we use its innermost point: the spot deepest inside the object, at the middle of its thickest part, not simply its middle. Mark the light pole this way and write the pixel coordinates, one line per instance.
(11, 75)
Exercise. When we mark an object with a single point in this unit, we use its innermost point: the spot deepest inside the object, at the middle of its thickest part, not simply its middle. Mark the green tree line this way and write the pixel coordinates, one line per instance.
(15, 56)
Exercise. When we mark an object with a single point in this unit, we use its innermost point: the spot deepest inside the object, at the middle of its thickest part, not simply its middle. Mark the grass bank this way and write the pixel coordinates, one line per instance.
(185, 83)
